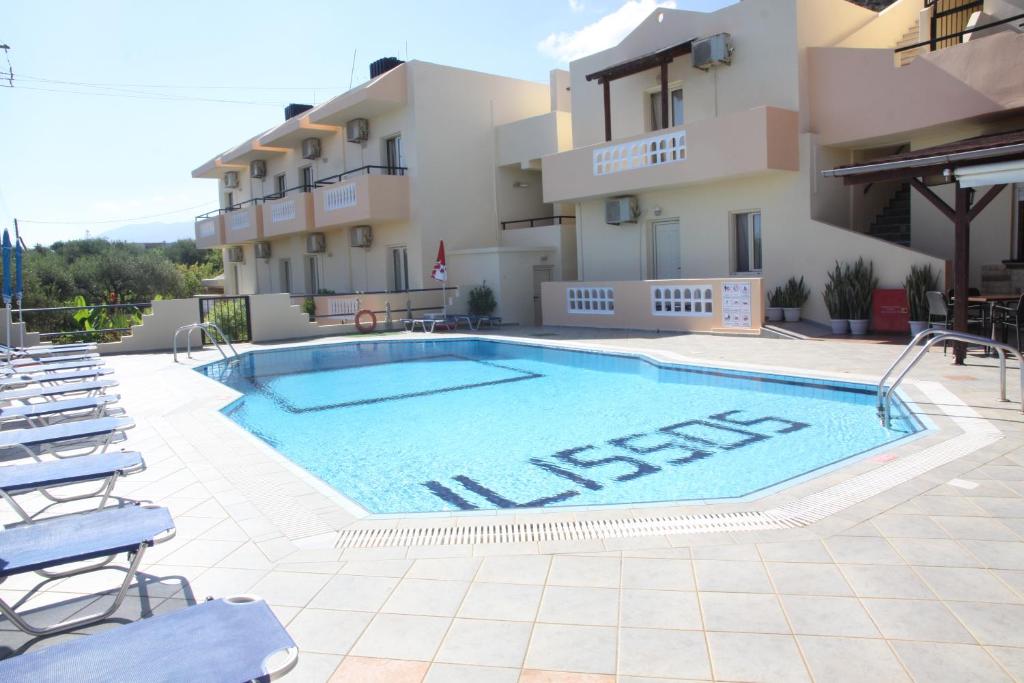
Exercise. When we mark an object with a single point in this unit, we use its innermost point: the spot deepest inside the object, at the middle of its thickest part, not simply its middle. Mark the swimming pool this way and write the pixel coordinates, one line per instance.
(475, 424)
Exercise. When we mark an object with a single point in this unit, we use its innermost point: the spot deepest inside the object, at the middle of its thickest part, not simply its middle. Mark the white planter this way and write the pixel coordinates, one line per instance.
(917, 327)
(792, 314)
(859, 326)
(840, 326)
(773, 313)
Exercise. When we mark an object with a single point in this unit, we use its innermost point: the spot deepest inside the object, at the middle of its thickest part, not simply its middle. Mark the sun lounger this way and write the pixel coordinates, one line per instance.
(64, 410)
(22, 379)
(42, 368)
(44, 360)
(48, 349)
(96, 434)
(474, 322)
(41, 477)
(46, 545)
(59, 391)
(221, 640)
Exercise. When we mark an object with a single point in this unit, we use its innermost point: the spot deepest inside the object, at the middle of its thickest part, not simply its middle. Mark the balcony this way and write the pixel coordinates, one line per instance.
(288, 215)
(372, 194)
(209, 231)
(243, 223)
(734, 145)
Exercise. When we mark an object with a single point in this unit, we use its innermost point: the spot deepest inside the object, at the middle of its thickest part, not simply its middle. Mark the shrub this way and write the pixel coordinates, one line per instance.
(835, 296)
(795, 293)
(230, 318)
(861, 284)
(481, 300)
(776, 298)
(309, 307)
(919, 282)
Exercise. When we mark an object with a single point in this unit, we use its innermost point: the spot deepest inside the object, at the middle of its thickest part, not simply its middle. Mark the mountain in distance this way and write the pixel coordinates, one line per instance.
(150, 232)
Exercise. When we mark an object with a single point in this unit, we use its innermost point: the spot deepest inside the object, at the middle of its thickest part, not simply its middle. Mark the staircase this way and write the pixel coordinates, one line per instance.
(893, 224)
(912, 35)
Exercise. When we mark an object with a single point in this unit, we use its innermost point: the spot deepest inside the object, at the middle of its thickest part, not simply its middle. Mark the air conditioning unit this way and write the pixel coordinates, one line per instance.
(618, 210)
(316, 243)
(361, 236)
(262, 249)
(231, 179)
(235, 255)
(258, 168)
(311, 148)
(357, 130)
(712, 51)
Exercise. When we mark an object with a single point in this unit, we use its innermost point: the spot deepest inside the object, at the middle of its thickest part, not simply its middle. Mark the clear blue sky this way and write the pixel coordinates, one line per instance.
(110, 147)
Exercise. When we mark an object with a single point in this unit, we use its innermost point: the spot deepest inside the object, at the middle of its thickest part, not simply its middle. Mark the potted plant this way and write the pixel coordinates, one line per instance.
(860, 288)
(836, 300)
(919, 282)
(309, 308)
(776, 299)
(796, 296)
(481, 300)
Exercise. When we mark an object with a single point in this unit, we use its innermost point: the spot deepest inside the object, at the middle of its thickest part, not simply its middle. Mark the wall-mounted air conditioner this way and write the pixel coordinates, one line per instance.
(258, 168)
(357, 130)
(231, 179)
(311, 148)
(235, 255)
(361, 236)
(712, 51)
(262, 249)
(618, 210)
(316, 243)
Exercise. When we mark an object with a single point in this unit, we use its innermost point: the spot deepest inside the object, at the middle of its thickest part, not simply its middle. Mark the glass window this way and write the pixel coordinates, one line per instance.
(675, 109)
(306, 173)
(748, 242)
(399, 269)
(393, 155)
(279, 183)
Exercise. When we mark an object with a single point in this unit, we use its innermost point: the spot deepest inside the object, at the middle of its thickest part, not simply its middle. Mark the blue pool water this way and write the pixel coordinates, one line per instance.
(424, 426)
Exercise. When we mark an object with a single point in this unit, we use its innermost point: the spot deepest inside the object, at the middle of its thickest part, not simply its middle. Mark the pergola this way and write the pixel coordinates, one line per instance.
(659, 58)
(989, 160)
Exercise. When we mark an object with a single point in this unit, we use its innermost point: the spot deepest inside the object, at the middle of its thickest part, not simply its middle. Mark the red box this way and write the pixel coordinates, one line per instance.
(890, 311)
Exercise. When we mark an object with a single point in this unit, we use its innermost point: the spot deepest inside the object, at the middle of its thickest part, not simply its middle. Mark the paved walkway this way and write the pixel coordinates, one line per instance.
(924, 582)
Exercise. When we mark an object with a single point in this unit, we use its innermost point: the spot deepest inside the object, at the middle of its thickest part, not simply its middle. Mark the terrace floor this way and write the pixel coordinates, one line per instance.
(923, 581)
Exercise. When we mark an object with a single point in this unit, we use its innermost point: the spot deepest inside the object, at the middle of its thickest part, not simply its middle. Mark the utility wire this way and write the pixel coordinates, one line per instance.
(116, 220)
(177, 87)
(152, 96)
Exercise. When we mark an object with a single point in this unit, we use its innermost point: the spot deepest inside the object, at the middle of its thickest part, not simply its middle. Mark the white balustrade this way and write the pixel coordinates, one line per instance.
(650, 151)
(681, 300)
(239, 220)
(342, 306)
(591, 300)
(341, 196)
(282, 211)
(207, 228)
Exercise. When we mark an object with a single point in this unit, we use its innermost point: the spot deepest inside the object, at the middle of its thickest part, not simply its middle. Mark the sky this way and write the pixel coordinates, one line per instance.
(115, 102)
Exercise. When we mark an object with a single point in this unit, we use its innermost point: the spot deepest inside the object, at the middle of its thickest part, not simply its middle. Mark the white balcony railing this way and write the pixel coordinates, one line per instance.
(650, 151)
(207, 228)
(238, 220)
(340, 197)
(284, 211)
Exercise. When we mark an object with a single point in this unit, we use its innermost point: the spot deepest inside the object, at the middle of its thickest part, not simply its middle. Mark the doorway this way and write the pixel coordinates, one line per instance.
(666, 250)
(541, 274)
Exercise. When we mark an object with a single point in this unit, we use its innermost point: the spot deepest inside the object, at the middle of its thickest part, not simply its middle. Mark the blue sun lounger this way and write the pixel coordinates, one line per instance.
(46, 545)
(62, 410)
(71, 376)
(104, 468)
(39, 368)
(90, 388)
(44, 360)
(233, 639)
(48, 349)
(97, 433)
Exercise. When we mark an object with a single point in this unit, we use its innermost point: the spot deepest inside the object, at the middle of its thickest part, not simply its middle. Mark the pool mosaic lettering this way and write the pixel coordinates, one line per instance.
(719, 432)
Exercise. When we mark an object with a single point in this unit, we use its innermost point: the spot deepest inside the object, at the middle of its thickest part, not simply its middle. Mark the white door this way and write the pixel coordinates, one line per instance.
(668, 258)
(541, 274)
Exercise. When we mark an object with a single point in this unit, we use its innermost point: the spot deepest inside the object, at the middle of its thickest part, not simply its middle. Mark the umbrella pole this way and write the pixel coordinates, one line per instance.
(21, 322)
(7, 309)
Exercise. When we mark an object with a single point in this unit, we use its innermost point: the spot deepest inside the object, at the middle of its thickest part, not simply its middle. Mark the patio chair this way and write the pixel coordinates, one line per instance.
(232, 639)
(44, 546)
(95, 434)
(938, 307)
(59, 391)
(1010, 318)
(68, 376)
(63, 410)
(42, 477)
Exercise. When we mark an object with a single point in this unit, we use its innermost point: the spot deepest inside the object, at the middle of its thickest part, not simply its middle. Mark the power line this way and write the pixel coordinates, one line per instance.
(151, 96)
(179, 87)
(116, 220)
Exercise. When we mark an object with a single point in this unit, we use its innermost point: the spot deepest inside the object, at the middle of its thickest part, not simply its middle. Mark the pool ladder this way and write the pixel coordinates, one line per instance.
(212, 330)
(942, 335)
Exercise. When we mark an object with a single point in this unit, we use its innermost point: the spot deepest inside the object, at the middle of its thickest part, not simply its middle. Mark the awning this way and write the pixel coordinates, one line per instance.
(642, 63)
(991, 174)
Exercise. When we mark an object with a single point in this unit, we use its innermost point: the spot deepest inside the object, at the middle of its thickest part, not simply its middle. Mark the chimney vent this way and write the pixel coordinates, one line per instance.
(384, 65)
(296, 109)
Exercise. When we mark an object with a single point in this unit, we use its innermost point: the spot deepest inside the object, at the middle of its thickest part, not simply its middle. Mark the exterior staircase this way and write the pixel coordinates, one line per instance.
(893, 224)
(911, 36)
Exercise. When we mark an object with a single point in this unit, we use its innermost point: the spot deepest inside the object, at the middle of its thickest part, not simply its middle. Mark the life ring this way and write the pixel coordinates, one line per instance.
(361, 326)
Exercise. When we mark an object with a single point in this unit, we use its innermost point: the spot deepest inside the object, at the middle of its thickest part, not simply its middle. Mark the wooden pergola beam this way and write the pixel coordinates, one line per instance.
(980, 205)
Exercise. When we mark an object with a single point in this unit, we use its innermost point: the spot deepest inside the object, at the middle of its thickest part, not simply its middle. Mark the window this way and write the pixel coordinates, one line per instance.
(286, 275)
(675, 110)
(747, 230)
(229, 200)
(312, 275)
(393, 155)
(306, 178)
(399, 269)
(279, 184)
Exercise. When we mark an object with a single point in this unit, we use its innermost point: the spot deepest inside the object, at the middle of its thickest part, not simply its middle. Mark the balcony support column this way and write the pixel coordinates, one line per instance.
(607, 109)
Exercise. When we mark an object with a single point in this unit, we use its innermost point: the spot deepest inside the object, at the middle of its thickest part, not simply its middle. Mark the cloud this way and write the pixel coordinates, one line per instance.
(576, 5)
(604, 33)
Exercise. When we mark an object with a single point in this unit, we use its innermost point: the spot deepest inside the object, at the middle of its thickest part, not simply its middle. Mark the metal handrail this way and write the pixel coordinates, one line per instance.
(884, 395)
(209, 328)
(362, 170)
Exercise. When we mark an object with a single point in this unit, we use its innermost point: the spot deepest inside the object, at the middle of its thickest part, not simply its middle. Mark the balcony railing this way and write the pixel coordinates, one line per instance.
(538, 222)
(362, 170)
(665, 148)
(938, 42)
